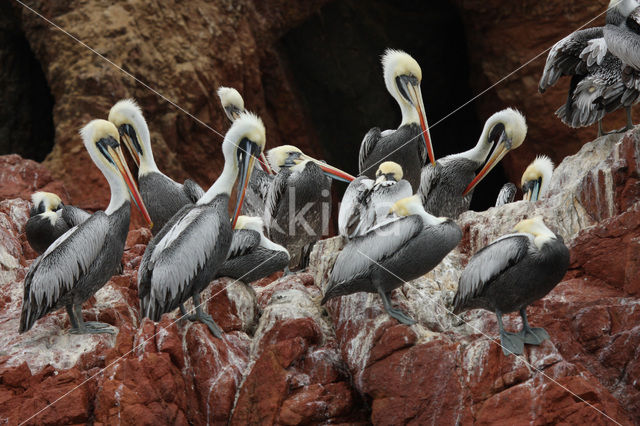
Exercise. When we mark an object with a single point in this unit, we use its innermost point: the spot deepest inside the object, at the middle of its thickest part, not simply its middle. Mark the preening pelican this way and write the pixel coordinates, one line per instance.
(446, 188)
(410, 144)
(49, 218)
(83, 259)
(536, 178)
(598, 83)
(298, 205)
(252, 255)
(393, 253)
(367, 202)
(162, 195)
(261, 178)
(510, 274)
(506, 195)
(185, 256)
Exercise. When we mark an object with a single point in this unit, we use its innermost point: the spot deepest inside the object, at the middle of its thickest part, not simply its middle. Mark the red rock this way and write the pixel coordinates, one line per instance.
(20, 178)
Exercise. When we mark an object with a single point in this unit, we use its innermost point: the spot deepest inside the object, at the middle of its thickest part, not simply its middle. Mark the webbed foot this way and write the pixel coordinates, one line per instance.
(94, 328)
(534, 336)
(512, 343)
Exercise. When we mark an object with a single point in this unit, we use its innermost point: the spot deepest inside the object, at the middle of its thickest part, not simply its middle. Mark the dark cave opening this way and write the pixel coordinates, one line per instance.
(334, 58)
(26, 103)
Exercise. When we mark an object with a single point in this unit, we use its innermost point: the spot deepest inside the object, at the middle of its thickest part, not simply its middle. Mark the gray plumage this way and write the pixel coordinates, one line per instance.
(390, 255)
(164, 197)
(181, 260)
(623, 37)
(404, 146)
(43, 229)
(309, 190)
(366, 204)
(257, 192)
(75, 266)
(248, 260)
(507, 194)
(442, 185)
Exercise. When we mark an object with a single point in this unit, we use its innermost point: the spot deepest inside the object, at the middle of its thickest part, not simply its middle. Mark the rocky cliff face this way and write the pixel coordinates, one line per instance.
(286, 359)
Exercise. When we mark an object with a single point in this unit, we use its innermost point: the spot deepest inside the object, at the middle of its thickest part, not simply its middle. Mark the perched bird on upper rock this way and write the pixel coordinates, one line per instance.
(537, 178)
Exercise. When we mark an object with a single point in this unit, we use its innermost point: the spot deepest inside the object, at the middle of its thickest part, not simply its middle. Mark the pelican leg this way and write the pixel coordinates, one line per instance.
(600, 132)
(205, 318)
(287, 271)
(185, 315)
(72, 317)
(91, 327)
(511, 343)
(629, 118)
(393, 312)
(531, 336)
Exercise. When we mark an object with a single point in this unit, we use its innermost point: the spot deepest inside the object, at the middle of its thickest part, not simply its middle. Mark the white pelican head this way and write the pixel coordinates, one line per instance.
(508, 128)
(100, 138)
(289, 156)
(536, 178)
(46, 201)
(231, 101)
(536, 227)
(402, 76)
(388, 171)
(252, 223)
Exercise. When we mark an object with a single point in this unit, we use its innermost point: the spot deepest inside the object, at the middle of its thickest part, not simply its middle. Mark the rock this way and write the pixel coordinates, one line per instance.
(20, 178)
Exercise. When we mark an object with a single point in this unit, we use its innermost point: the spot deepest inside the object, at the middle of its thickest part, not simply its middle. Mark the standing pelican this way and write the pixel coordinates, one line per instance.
(536, 178)
(299, 200)
(185, 256)
(598, 83)
(49, 218)
(367, 202)
(393, 253)
(446, 188)
(410, 144)
(252, 255)
(162, 195)
(510, 274)
(261, 178)
(83, 259)
(506, 195)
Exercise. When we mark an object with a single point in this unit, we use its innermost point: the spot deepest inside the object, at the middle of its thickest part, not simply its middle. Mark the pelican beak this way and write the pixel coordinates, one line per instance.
(330, 171)
(412, 88)
(265, 164)
(531, 190)
(130, 140)
(233, 112)
(503, 147)
(247, 152)
(121, 164)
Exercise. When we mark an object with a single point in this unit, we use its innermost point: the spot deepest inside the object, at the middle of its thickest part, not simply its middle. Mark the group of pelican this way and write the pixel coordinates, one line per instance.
(397, 218)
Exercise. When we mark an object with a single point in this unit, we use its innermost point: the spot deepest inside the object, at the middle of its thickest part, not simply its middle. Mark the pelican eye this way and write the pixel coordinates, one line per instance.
(291, 159)
(102, 145)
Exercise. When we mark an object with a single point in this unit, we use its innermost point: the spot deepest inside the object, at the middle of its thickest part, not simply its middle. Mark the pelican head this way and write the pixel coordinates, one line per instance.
(508, 130)
(413, 206)
(46, 202)
(289, 156)
(127, 116)
(388, 171)
(100, 138)
(402, 76)
(536, 178)
(624, 7)
(536, 227)
(252, 223)
(231, 101)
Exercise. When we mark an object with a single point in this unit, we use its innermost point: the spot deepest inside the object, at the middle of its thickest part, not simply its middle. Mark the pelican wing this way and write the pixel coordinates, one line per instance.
(488, 263)
(193, 190)
(174, 257)
(355, 204)
(56, 272)
(74, 216)
(362, 252)
(429, 179)
(368, 144)
(565, 56)
(274, 196)
(506, 195)
(242, 242)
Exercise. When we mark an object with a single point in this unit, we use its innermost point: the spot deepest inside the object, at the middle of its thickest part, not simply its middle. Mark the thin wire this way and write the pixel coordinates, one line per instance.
(488, 88)
(139, 345)
(523, 359)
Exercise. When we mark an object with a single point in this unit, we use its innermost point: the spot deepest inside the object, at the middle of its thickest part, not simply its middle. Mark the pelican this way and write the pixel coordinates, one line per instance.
(252, 255)
(510, 274)
(261, 178)
(598, 83)
(410, 144)
(393, 253)
(298, 205)
(366, 202)
(185, 256)
(506, 195)
(446, 187)
(83, 259)
(49, 218)
(162, 195)
(536, 178)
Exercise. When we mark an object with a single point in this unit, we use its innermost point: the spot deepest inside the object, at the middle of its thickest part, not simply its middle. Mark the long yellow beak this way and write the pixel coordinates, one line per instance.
(247, 157)
(500, 151)
(332, 172)
(129, 144)
(265, 164)
(416, 96)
